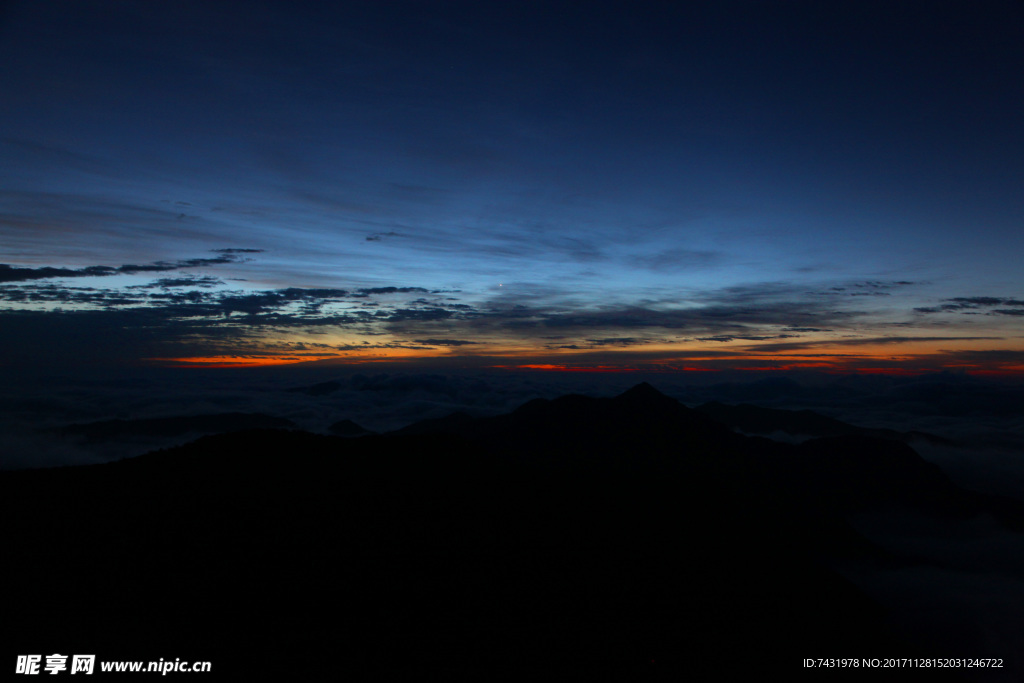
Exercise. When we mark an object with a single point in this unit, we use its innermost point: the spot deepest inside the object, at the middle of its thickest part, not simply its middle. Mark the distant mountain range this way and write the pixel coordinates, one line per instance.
(217, 423)
(626, 538)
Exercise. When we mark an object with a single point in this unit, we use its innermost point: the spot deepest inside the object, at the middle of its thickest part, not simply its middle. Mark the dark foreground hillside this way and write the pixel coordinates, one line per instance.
(627, 538)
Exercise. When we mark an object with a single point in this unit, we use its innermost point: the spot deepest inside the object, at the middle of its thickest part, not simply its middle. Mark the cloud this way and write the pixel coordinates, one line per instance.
(273, 300)
(197, 315)
(974, 303)
(677, 260)
(865, 288)
(281, 307)
(990, 355)
(729, 338)
(862, 341)
(69, 295)
(757, 312)
(416, 314)
(723, 316)
(190, 316)
(907, 340)
(188, 281)
(965, 589)
(10, 273)
(753, 312)
(445, 342)
(597, 343)
(617, 341)
(367, 291)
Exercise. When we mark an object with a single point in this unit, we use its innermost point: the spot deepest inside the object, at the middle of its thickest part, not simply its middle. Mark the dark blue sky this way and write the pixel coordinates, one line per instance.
(760, 184)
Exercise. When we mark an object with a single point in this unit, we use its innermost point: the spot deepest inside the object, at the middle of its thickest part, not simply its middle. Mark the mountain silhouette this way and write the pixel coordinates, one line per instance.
(629, 538)
(751, 419)
(348, 428)
(217, 423)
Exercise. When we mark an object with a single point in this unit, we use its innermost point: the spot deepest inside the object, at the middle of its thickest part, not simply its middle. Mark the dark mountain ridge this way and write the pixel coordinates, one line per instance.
(631, 538)
(751, 419)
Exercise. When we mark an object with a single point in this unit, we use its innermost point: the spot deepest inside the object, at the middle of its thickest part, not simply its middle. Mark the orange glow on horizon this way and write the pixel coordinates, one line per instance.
(247, 361)
(569, 368)
(232, 361)
(627, 361)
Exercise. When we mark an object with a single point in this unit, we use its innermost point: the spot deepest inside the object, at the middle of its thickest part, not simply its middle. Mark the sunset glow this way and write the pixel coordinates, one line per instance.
(603, 204)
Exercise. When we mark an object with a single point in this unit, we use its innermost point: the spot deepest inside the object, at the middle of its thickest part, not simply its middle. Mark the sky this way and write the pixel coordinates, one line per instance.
(652, 186)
